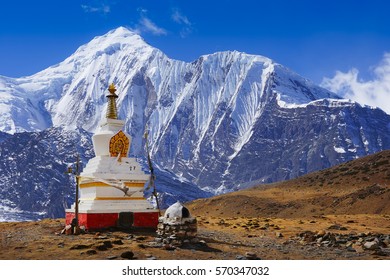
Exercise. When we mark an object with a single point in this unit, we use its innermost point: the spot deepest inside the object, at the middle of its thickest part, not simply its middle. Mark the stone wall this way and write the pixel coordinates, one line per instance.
(182, 229)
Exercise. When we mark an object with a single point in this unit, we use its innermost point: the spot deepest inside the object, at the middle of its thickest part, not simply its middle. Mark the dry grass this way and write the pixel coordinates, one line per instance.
(356, 187)
(264, 220)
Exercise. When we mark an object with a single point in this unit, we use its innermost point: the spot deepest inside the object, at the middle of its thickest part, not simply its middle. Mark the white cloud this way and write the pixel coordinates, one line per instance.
(374, 92)
(147, 25)
(103, 8)
(142, 11)
(181, 19)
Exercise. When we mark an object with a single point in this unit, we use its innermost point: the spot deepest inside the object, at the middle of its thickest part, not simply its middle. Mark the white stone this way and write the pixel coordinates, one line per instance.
(372, 245)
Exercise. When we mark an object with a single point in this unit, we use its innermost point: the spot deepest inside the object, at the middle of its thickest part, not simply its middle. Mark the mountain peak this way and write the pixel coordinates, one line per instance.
(123, 30)
(228, 56)
(121, 33)
(118, 38)
(120, 41)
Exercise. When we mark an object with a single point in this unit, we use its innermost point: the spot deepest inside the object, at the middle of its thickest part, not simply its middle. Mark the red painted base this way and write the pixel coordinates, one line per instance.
(93, 221)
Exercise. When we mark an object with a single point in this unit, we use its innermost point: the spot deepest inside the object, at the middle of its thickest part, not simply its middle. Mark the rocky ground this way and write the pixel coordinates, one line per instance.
(338, 213)
(329, 237)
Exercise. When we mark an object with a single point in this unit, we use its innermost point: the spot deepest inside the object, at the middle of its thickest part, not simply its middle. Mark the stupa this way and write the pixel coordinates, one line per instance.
(111, 185)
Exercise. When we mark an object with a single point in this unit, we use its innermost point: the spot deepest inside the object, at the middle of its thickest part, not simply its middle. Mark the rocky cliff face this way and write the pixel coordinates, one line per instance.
(215, 125)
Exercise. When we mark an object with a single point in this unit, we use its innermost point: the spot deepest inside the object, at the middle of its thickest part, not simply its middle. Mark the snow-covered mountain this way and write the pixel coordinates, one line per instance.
(216, 124)
(33, 166)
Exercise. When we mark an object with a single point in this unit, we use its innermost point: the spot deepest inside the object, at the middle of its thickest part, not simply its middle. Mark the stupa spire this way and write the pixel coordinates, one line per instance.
(112, 112)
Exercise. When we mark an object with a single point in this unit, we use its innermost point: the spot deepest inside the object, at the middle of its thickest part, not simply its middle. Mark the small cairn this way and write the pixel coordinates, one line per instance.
(73, 228)
(177, 225)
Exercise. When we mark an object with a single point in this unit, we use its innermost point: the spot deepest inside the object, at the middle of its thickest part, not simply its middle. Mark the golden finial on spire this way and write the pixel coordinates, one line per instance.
(112, 112)
(112, 88)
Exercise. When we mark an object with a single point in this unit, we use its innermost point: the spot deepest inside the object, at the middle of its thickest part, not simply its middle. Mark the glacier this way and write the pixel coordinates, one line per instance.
(223, 122)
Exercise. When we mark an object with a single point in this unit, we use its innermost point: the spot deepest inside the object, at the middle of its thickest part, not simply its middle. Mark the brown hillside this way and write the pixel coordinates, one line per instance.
(357, 187)
(337, 213)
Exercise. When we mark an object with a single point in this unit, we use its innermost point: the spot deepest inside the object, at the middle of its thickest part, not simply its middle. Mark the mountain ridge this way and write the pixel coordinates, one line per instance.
(216, 124)
(57, 81)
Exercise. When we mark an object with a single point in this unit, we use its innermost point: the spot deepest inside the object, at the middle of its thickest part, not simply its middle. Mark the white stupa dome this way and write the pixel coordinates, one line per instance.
(176, 212)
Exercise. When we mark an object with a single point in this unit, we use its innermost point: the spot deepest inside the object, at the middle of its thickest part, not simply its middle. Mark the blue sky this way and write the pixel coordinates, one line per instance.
(343, 41)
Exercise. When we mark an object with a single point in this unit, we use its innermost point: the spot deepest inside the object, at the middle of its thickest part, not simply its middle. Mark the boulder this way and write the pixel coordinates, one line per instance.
(371, 245)
(127, 255)
(251, 256)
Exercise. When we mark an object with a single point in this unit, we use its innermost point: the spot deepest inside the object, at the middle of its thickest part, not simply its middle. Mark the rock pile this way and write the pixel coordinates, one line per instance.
(73, 228)
(177, 225)
(379, 244)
